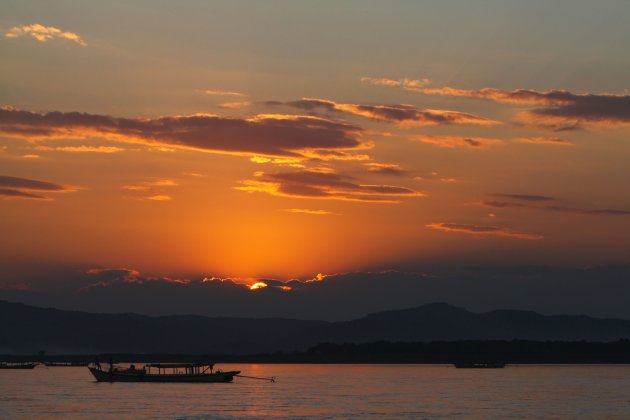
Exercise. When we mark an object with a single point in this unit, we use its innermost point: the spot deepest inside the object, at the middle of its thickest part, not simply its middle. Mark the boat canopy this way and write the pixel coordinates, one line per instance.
(177, 365)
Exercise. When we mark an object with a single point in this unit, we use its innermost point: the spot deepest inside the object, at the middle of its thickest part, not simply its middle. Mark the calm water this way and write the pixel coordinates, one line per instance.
(330, 391)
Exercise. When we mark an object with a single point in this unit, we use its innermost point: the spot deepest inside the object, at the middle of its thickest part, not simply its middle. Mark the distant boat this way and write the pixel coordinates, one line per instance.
(163, 372)
(65, 364)
(480, 365)
(17, 365)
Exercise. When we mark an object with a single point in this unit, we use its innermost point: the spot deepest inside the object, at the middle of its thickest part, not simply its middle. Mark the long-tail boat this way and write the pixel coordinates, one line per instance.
(17, 365)
(162, 372)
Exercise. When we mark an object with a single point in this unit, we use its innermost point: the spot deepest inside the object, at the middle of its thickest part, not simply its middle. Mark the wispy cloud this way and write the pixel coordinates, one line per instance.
(269, 134)
(562, 110)
(483, 230)
(531, 202)
(324, 185)
(395, 114)
(218, 92)
(234, 105)
(434, 176)
(81, 149)
(386, 168)
(526, 197)
(604, 212)
(159, 197)
(551, 141)
(44, 33)
(406, 84)
(451, 142)
(153, 190)
(472, 142)
(309, 211)
(15, 187)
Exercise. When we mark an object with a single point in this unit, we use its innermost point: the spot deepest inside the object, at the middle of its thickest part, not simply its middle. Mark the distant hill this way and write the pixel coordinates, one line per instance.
(28, 329)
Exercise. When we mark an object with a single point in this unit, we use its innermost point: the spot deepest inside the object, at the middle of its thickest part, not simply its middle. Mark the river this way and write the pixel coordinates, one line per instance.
(330, 391)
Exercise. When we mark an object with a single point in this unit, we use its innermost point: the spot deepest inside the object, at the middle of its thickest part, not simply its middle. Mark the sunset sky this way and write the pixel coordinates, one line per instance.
(263, 141)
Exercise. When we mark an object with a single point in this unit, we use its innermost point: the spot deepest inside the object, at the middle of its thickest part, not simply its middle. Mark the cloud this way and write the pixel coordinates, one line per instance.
(309, 211)
(106, 277)
(406, 84)
(29, 184)
(386, 168)
(451, 142)
(154, 190)
(270, 135)
(500, 204)
(223, 93)
(13, 193)
(543, 198)
(526, 197)
(159, 197)
(324, 185)
(234, 105)
(552, 141)
(604, 212)
(561, 109)
(43, 33)
(81, 149)
(395, 114)
(292, 162)
(483, 230)
(14, 187)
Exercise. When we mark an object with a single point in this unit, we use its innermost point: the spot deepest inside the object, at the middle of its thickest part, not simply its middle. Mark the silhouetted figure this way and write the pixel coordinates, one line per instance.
(97, 363)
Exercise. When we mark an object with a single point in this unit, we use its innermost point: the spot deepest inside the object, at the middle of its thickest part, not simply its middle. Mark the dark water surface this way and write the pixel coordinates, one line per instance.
(330, 391)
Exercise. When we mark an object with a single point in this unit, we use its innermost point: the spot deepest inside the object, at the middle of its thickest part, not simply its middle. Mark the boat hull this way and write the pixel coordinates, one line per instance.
(18, 366)
(117, 376)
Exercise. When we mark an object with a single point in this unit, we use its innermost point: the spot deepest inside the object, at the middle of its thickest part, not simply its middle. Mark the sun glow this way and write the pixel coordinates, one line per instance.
(258, 285)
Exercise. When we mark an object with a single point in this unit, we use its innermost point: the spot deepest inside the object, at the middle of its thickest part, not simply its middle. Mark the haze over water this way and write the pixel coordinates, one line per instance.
(330, 391)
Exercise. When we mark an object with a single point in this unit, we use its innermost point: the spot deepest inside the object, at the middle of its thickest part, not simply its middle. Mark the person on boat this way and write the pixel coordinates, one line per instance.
(97, 363)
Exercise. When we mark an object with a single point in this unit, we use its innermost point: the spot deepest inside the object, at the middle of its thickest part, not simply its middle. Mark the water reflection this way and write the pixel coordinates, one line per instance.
(332, 391)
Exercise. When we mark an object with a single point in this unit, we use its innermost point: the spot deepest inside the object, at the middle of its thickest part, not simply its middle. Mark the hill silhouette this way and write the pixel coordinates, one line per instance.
(27, 329)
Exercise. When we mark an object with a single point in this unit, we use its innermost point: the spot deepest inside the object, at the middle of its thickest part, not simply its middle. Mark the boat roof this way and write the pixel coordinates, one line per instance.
(179, 365)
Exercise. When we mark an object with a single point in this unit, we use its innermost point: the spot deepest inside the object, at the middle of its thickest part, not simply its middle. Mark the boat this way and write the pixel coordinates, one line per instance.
(17, 365)
(480, 365)
(66, 364)
(162, 372)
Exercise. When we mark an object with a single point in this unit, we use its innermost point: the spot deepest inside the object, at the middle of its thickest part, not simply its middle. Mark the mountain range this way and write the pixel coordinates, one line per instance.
(29, 329)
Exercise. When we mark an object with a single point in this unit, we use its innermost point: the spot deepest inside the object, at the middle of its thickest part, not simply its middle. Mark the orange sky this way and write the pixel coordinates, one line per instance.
(289, 141)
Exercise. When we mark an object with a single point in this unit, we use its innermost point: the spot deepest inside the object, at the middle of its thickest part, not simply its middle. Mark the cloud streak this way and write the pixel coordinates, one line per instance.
(527, 200)
(483, 230)
(395, 114)
(219, 92)
(309, 211)
(561, 109)
(406, 84)
(81, 149)
(526, 197)
(324, 185)
(44, 33)
(451, 142)
(386, 168)
(270, 134)
(15, 187)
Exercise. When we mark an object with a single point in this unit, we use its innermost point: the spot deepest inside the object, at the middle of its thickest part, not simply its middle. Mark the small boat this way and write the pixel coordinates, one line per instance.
(480, 365)
(66, 364)
(162, 372)
(17, 365)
